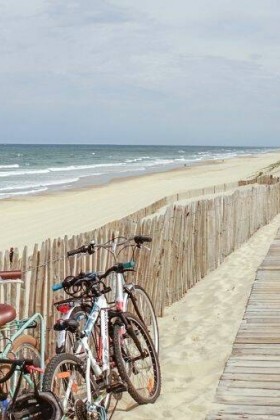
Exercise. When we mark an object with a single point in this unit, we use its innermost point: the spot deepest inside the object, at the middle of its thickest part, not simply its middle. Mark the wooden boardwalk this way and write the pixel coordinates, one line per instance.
(250, 385)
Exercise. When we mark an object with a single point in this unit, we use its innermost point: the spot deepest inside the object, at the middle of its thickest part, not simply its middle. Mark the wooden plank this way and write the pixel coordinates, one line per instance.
(263, 320)
(224, 391)
(231, 383)
(224, 416)
(258, 340)
(272, 333)
(259, 314)
(263, 363)
(257, 357)
(242, 376)
(256, 326)
(253, 369)
(256, 352)
(263, 412)
(226, 398)
(264, 347)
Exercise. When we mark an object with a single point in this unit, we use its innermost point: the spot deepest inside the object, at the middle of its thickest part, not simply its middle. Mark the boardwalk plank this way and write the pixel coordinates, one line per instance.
(253, 369)
(250, 392)
(258, 377)
(226, 383)
(227, 398)
(243, 408)
(263, 363)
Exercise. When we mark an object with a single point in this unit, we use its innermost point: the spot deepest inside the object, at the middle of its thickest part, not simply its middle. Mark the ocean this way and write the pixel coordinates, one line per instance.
(34, 169)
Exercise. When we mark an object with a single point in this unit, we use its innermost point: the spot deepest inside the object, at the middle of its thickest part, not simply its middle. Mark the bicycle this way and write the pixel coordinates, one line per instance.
(84, 381)
(14, 342)
(129, 297)
(31, 405)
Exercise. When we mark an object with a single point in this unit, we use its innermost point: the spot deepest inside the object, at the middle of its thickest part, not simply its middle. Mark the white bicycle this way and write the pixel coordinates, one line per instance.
(129, 297)
(124, 359)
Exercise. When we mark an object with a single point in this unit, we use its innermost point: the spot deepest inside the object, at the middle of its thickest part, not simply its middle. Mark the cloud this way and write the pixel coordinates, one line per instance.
(168, 64)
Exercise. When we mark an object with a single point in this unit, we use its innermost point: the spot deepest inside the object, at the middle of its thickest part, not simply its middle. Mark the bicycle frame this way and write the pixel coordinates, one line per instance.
(100, 307)
(21, 326)
(121, 297)
(122, 292)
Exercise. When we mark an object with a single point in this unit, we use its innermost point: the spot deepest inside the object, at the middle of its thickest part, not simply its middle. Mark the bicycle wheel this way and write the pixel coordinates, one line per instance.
(25, 347)
(140, 372)
(65, 377)
(147, 312)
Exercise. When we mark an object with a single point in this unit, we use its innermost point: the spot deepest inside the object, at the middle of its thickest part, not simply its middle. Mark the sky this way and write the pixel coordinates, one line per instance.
(140, 72)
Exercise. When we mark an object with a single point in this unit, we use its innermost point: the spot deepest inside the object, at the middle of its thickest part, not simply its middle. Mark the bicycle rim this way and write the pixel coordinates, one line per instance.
(65, 377)
(142, 374)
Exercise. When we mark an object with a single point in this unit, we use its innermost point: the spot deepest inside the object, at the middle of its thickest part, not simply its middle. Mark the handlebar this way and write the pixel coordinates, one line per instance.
(142, 239)
(70, 281)
(118, 268)
(82, 250)
(84, 281)
(83, 285)
(91, 248)
(57, 286)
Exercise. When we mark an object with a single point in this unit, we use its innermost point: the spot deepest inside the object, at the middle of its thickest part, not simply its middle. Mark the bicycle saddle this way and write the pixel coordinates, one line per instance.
(7, 313)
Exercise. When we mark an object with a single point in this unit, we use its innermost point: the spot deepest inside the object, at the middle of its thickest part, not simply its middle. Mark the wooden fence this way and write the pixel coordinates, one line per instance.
(190, 238)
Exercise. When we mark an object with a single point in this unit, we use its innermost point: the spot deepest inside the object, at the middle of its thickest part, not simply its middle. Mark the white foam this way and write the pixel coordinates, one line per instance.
(9, 195)
(132, 170)
(28, 172)
(9, 166)
(137, 159)
(159, 162)
(39, 185)
(83, 167)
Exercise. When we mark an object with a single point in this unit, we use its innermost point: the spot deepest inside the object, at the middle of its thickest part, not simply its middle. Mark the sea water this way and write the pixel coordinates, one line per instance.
(33, 169)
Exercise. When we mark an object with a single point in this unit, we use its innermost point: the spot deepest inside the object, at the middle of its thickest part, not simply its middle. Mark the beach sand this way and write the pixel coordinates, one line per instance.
(197, 333)
(25, 221)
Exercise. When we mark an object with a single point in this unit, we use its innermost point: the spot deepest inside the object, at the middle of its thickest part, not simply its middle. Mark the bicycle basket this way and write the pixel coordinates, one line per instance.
(36, 406)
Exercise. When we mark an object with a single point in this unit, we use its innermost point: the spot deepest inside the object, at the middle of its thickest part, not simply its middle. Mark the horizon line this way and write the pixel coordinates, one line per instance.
(135, 145)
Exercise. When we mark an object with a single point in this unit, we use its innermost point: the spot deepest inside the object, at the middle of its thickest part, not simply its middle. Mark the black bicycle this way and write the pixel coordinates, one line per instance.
(22, 405)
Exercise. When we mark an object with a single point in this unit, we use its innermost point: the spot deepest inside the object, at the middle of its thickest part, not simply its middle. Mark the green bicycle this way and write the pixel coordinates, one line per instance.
(14, 342)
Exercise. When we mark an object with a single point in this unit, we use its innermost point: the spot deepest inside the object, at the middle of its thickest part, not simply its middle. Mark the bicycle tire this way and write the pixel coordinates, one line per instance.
(149, 391)
(25, 347)
(68, 347)
(51, 373)
(62, 364)
(147, 311)
(34, 406)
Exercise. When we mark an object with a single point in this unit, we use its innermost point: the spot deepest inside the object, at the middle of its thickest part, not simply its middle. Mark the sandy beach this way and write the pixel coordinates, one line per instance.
(197, 332)
(25, 221)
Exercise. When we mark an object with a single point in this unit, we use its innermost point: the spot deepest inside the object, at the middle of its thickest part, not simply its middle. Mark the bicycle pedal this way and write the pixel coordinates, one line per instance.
(117, 388)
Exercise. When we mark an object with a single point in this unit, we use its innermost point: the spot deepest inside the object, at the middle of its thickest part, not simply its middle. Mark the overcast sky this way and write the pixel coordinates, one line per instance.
(140, 71)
